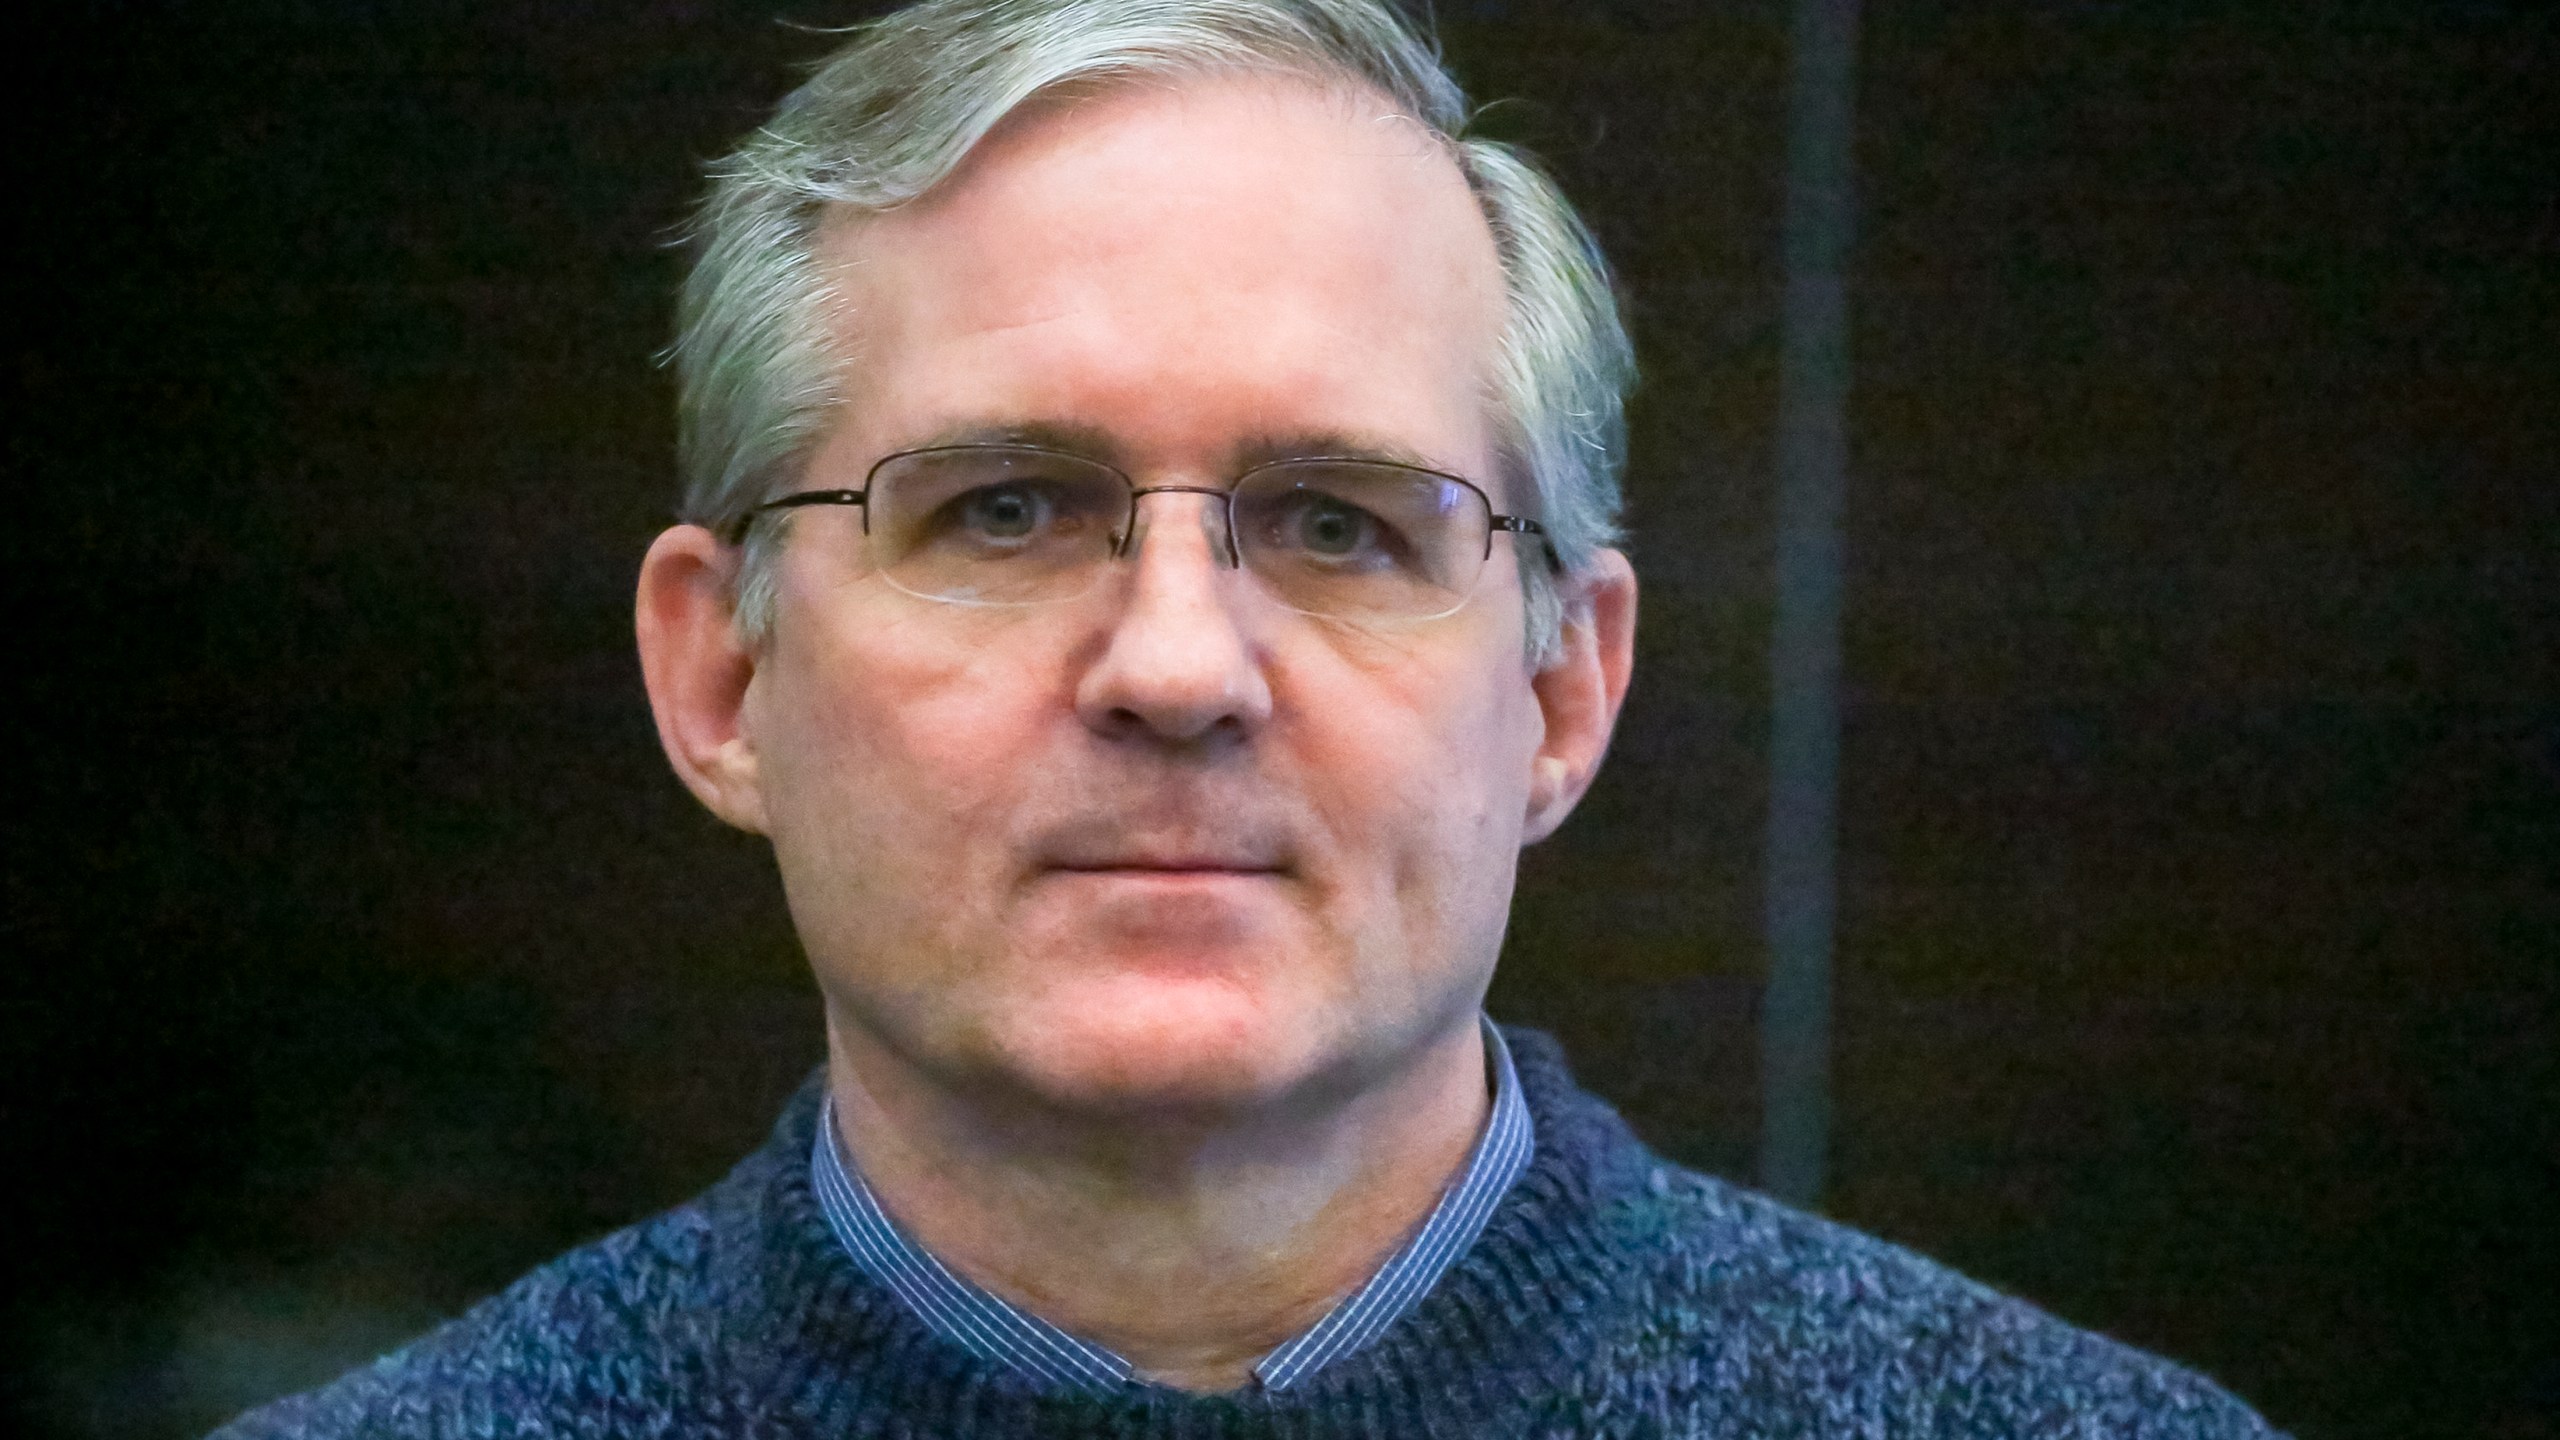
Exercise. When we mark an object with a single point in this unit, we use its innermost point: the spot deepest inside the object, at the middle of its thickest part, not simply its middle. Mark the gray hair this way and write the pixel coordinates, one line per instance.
(893, 112)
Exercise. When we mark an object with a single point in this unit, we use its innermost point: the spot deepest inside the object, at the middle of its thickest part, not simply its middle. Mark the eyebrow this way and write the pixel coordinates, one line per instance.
(1330, 445)
(1095, 443)
(1090, 441)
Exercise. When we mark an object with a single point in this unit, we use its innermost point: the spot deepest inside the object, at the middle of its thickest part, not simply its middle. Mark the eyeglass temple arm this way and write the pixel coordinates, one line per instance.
(1523, 525)
(738, 527)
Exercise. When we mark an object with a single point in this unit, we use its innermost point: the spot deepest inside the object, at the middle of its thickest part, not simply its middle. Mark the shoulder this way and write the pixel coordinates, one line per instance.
(1777, 1313)
(1730, 1313)
(620, 1337)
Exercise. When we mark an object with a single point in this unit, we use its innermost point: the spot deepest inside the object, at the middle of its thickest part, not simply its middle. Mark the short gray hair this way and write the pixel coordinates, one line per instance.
(894, 111)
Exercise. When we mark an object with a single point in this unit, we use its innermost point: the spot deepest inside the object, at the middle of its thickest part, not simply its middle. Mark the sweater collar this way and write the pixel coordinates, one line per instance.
(1001, 1333)
(824, 1349)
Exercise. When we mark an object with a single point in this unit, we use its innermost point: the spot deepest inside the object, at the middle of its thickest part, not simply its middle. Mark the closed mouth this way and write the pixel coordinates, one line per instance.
(1167, 868)
(1199, 848)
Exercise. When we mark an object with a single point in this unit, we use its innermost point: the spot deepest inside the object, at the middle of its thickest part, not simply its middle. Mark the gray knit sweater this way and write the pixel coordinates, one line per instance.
(1612, 1294)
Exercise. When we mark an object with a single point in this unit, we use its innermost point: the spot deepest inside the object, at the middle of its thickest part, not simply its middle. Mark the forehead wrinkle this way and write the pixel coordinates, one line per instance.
(864, 252)
(1096, 442)
(1049, 131)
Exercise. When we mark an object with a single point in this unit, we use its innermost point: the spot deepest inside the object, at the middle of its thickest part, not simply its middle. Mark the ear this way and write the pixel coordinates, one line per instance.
(697, 672)
(1581, 686)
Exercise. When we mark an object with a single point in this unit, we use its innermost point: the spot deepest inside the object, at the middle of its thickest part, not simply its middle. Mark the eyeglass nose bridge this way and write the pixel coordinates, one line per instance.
(1127, 540)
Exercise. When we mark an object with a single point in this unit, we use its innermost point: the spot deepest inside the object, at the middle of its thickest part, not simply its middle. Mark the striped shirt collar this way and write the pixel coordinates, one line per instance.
(1002, 1333)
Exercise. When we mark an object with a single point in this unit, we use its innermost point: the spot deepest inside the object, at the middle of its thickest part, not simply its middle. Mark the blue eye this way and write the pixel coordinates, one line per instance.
(1329, 527)
(1004, 512)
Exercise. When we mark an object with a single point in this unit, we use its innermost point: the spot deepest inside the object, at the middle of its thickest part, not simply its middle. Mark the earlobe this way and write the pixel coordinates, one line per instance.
(698, 672)
(1581, 688)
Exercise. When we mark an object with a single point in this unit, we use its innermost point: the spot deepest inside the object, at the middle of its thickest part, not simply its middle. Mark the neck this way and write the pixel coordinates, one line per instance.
(1192, 1247)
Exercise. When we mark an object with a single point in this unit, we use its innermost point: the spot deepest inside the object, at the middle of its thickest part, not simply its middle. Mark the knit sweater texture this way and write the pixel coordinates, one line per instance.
(1612, 1294)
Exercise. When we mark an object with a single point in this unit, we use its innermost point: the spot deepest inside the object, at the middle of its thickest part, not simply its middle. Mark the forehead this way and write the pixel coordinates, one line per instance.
(1179, 264)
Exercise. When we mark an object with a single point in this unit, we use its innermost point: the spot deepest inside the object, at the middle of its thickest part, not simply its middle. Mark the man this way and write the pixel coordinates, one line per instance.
(1151, 481)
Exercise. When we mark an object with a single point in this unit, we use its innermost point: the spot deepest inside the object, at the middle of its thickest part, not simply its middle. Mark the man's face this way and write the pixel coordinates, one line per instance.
(1169, 846)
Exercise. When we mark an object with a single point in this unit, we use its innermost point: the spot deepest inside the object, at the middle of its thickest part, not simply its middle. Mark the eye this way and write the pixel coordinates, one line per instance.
(1005, 512)
(1329, 527)
(1330, 522)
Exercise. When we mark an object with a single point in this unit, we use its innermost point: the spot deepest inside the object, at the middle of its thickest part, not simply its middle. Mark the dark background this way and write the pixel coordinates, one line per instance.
(2202, 748)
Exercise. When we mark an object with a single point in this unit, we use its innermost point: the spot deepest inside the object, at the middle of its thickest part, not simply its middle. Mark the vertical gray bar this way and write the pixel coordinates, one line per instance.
(1804, 645)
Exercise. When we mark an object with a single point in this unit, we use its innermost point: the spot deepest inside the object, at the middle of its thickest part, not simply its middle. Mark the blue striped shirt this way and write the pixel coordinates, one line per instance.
(996, 1330)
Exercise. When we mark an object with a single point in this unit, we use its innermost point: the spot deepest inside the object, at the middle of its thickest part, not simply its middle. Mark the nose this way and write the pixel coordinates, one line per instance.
(1178, 664)
(1217, 503)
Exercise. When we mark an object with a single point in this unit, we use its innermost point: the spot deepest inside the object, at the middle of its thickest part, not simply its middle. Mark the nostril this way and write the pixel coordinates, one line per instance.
(1204, 729)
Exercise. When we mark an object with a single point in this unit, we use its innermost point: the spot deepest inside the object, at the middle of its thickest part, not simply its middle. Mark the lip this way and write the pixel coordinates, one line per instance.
(1165, 849)
(1166, 869)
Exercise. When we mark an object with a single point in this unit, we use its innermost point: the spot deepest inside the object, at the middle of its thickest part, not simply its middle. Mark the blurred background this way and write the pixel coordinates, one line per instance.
(2199, 960)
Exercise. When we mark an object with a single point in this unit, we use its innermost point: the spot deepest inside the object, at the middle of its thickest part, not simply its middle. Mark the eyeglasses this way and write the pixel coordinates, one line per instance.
(1019, 525)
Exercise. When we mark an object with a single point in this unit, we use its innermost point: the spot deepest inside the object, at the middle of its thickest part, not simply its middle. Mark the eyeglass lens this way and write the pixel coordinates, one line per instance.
(1350, 539)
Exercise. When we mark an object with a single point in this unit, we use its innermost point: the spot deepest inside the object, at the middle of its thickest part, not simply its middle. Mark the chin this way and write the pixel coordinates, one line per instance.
(1141, 1043)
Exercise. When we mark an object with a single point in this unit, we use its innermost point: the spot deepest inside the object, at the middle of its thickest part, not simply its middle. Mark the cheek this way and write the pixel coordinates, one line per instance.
(1429, 775)
(888, 751)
